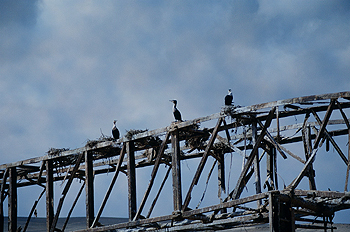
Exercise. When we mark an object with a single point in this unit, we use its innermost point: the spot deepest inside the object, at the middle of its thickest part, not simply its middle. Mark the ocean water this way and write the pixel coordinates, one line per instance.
(75, 223)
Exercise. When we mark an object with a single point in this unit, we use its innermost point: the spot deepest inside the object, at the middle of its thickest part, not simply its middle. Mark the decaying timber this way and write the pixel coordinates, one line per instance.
(258, 133)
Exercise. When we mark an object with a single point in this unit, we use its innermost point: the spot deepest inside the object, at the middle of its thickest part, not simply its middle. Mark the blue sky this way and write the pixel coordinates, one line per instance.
(69, 68)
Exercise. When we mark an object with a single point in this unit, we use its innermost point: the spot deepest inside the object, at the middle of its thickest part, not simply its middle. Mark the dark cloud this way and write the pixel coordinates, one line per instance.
(17, 19)
(19, 12)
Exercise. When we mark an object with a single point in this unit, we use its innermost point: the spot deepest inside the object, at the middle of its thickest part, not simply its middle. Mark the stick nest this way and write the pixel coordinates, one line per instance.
(221, 148)
(194, 137)
(144, 143)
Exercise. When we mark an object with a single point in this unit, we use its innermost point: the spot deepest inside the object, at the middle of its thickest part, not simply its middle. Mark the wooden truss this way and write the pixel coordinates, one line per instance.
(256, 132)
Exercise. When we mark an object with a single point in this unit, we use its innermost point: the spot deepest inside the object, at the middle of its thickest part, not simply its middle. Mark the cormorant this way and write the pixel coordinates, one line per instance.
(115, 131)
(177, 114)
(228, 98)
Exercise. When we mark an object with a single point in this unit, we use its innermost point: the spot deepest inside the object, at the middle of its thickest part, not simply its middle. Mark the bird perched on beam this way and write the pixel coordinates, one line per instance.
(115, 131)
(177, 114)
(229, 98)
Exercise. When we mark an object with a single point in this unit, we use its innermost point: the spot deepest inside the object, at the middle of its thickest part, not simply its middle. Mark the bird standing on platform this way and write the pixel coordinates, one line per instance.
(177, 114)
(229, 98)
(115, 131)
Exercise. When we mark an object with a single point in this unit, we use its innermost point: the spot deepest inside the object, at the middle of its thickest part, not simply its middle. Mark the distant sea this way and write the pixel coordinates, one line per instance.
(75, 223)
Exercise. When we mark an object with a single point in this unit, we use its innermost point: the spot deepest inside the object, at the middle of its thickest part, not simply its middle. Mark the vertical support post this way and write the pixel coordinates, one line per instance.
(221, 176)
(275, 169)
(278, 125)
(269, 167)
(348, 168)
(89, 189)
(256, 162)
(308, 150)
(221, 179)
(12, 200)
(2, 198)
(131, 179)
(271, 213)
(176, 171)
(49, 194)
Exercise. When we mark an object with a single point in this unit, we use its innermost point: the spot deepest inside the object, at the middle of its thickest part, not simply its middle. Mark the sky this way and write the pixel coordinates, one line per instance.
(69, 68)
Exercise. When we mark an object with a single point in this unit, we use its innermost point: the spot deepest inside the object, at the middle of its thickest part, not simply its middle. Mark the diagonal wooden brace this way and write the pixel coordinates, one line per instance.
(235, 194)
(201, 164)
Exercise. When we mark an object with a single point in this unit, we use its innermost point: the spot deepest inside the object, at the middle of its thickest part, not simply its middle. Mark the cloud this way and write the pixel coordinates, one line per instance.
(68, 69)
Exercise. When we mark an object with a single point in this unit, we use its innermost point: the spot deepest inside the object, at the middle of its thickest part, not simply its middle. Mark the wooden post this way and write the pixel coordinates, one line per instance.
(12, 200)
(269, 168)
(256, 162)
(271, 213)
(131, 179)
(176, 171)
(348, 167)
(308, 150)
(49, 195)
(89, 188)
(275, 169)
(2, 198)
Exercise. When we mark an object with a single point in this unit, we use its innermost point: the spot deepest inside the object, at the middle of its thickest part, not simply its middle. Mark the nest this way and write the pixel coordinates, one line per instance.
(103, 138)
(221, 148)
(198, 141)
(104, 152)
(194, 137)
(56, 152)
(144, 143)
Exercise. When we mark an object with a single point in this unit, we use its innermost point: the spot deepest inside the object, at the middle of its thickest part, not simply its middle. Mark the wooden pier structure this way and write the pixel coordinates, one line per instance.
(262, 135)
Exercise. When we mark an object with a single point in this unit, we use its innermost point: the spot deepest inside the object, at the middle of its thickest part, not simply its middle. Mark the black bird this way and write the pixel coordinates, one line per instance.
(115, 131)
(228, 98)
(177, 114)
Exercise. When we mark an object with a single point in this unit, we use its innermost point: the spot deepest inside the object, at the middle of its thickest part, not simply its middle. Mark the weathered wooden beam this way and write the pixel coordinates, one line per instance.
(335, 145)
(153, 175)
(324, 124)
(348, 167)
(201, 164)
(110, 188)
(176, 172)
(306, 134)
(131, 180)
(65, 191)
(272, 141)
(297, 180)
(49, 194)
(2, 198)
(42, 166)
(73, 206)
(256, 162)
(158, 193)
(89, 188)
(12, 200)
(32, 210)
(235, 194)
(343, 114)
(271, 213)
